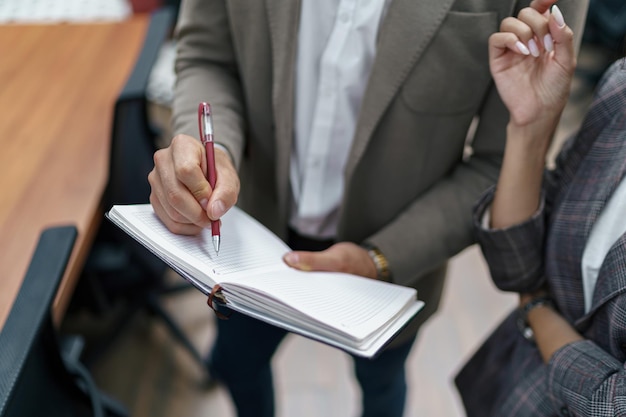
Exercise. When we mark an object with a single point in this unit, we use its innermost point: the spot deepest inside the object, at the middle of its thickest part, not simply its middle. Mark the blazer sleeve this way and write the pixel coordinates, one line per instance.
(440, 221)
(514, 254)
(588, 379)
(206, 67)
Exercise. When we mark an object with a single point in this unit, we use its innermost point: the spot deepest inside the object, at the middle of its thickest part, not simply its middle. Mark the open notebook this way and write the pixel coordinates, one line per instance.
(356, 314)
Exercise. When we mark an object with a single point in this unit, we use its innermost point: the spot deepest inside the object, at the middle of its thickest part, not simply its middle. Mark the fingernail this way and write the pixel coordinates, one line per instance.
(558, 16)
(217, 209)
(534, 49)
(522, 48)
(548, 43)
(291, 259)
(203, 203)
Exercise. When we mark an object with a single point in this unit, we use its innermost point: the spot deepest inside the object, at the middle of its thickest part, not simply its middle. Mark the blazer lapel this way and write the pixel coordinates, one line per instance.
(404, 34)
(611, 280)
(283, 17)
(599, 175)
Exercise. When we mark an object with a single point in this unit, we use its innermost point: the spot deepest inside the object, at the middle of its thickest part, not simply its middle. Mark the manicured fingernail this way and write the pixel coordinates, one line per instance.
(217, 209)
(548, 43)
(203, 203)
(558, 16)
(522, 48)
(534, 49)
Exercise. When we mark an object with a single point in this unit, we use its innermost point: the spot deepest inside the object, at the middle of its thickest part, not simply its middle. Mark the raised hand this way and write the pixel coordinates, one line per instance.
(180, 193)
(532, 61)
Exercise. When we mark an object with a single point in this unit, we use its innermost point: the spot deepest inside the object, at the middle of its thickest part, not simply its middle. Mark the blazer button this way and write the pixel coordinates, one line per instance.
(565, 412)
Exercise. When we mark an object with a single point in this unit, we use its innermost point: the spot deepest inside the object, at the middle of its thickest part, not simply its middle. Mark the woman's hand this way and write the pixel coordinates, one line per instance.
(532, 61)
(180, 193)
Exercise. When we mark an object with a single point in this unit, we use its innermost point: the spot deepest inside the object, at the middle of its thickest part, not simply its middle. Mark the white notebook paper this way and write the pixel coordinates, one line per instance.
(356, 314)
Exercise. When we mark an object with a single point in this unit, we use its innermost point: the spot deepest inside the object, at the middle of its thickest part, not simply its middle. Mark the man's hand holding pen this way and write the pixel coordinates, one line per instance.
(181, 194)
(184, 200)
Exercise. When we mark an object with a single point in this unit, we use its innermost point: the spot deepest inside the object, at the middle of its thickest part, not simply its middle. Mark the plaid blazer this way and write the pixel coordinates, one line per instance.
(506, 376)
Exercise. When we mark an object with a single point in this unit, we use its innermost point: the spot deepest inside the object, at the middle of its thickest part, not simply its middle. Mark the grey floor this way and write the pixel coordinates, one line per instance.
(154, 377)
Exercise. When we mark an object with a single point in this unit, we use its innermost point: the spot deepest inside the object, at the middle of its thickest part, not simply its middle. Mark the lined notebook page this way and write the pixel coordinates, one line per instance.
(351, 304)
(246, 246)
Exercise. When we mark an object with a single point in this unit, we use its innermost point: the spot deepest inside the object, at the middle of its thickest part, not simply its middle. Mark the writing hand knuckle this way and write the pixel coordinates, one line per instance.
(174, 197)
(186, 170)
(158, 156)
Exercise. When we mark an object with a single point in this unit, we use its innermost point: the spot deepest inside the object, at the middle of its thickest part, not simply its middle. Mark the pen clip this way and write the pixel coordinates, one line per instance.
(205, 122)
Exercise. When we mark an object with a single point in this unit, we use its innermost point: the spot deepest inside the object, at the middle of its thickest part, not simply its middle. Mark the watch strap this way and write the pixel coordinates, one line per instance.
(380, 261)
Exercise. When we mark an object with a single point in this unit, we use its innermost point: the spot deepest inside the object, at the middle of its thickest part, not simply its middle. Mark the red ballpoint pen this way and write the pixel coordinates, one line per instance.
(205, 125)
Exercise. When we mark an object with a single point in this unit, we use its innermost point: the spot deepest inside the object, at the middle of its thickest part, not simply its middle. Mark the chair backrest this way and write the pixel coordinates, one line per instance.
(33, 378)
(133, 140)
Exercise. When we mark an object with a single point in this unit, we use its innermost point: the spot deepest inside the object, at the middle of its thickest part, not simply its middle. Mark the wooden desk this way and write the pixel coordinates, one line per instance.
(58, 85)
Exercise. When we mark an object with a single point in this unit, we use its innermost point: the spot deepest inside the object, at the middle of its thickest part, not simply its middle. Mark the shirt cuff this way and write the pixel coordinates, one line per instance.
(486, 218)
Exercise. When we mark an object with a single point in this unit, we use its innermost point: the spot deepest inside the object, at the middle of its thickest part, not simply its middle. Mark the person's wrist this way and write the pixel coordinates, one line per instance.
(540, 301)
(527, 147)
(531, 137)
(380, 262)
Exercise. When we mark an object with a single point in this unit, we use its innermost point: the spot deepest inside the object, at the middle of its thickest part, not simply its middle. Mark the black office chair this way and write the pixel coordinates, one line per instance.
(39, 375)
(119, 270)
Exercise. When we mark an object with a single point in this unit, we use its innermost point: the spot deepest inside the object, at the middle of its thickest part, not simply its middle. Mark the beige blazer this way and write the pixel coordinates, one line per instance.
(409, 188)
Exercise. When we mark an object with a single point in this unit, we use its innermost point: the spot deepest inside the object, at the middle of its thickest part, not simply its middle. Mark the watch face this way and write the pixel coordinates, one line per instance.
(528, 333)
(522, 312)
(524, 328)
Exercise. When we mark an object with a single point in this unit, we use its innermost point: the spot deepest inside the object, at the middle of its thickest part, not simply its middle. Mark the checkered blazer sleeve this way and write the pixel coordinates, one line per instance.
(514, 254)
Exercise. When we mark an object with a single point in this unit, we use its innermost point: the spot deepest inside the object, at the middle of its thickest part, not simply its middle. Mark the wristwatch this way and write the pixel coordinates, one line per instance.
(522, 317)
(382, 266)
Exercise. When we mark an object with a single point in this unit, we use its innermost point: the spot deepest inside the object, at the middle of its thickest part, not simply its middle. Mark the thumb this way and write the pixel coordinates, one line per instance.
(297, 260)
(563, 38)
(310, 261)
(345, 257)
(227, 186)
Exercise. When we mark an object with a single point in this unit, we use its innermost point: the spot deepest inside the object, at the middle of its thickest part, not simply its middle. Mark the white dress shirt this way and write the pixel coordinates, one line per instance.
(336, 49)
